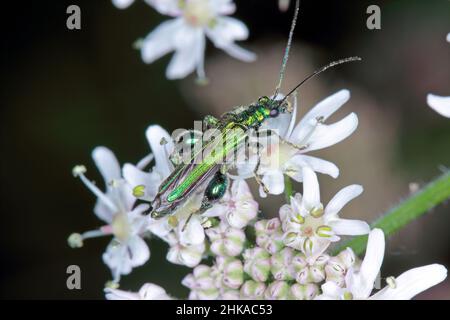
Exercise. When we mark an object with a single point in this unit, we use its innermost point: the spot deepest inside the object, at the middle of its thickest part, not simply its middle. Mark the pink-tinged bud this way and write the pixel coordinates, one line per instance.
(253, 290)
(278, 290)
(269, 235)
(225, 240)
(304, 292)
(201, 283)
(347, 258)
(233, 273)
(281, 264)
(257, 263)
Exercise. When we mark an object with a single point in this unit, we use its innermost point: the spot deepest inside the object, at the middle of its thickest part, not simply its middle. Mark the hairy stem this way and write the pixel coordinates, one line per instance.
(416, 205)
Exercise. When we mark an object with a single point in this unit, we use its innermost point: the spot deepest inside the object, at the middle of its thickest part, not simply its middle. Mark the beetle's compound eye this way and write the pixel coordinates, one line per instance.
(263, 100)
(274, 113)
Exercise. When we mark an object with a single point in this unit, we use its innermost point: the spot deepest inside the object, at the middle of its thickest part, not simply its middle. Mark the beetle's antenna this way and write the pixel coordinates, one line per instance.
(288, 47)
(318, 71)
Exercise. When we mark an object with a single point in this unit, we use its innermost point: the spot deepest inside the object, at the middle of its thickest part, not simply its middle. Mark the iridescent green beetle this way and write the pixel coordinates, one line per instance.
(205, 170)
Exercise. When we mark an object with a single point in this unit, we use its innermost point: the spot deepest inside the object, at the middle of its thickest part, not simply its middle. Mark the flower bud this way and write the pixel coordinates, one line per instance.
(253, 290)
(225, 240)
(269, 235)
(281, 264)
(278, 290)
(304, 292)
(201, 283)
(257, 263)
(233, 273)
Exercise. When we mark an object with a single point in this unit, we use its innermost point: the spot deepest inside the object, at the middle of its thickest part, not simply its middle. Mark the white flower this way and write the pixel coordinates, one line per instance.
(148, 291)
(179, 253)
(115, 207)
(438, 103)
(309, 134)
(310, 228)
(226, 240)
(237, 206)
(359, 283)
(194, 20)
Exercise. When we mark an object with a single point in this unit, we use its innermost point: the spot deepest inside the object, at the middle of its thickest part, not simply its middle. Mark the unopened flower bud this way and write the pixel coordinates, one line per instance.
(278, 290)
(281, 264)
(253, 290)
(269, 235)
(257, 263)
(304, 292)
(233, 273)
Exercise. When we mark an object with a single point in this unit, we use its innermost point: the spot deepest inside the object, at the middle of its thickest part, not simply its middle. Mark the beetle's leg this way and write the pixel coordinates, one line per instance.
(302, 146)
(293, 145)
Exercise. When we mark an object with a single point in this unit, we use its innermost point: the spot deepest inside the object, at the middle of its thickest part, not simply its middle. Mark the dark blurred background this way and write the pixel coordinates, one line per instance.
(65, 92)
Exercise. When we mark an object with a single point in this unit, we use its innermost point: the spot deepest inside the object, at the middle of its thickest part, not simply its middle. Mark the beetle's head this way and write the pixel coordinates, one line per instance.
(274, 107)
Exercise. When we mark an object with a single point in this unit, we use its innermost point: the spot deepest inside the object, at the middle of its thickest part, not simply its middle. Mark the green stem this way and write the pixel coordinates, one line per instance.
(408, 210)
(288, 189)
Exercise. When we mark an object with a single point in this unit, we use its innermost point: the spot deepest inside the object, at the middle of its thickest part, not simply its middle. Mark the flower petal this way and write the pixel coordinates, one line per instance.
(136, 177)
(190, 48)
(311, 191)
(274, 181)
(330, 291)
(150, 291)
(328, 135)
(138, 251)
(167, 7)
(155, 136)
(193, 233)
(298, 161)
(160, 41)
(238, 52)
(107, 164)
(227, 30)
(361, 283)
(341, 198)
(324, 109)
(348, 227)
(122, 4)
(413, 282)
(439, 104)
(116, 294)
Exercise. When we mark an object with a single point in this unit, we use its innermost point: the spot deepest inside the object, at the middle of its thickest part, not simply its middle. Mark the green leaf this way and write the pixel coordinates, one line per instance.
(408, 210)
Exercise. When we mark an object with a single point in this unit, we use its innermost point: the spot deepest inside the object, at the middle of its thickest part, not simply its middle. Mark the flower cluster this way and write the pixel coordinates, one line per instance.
(285, 257)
